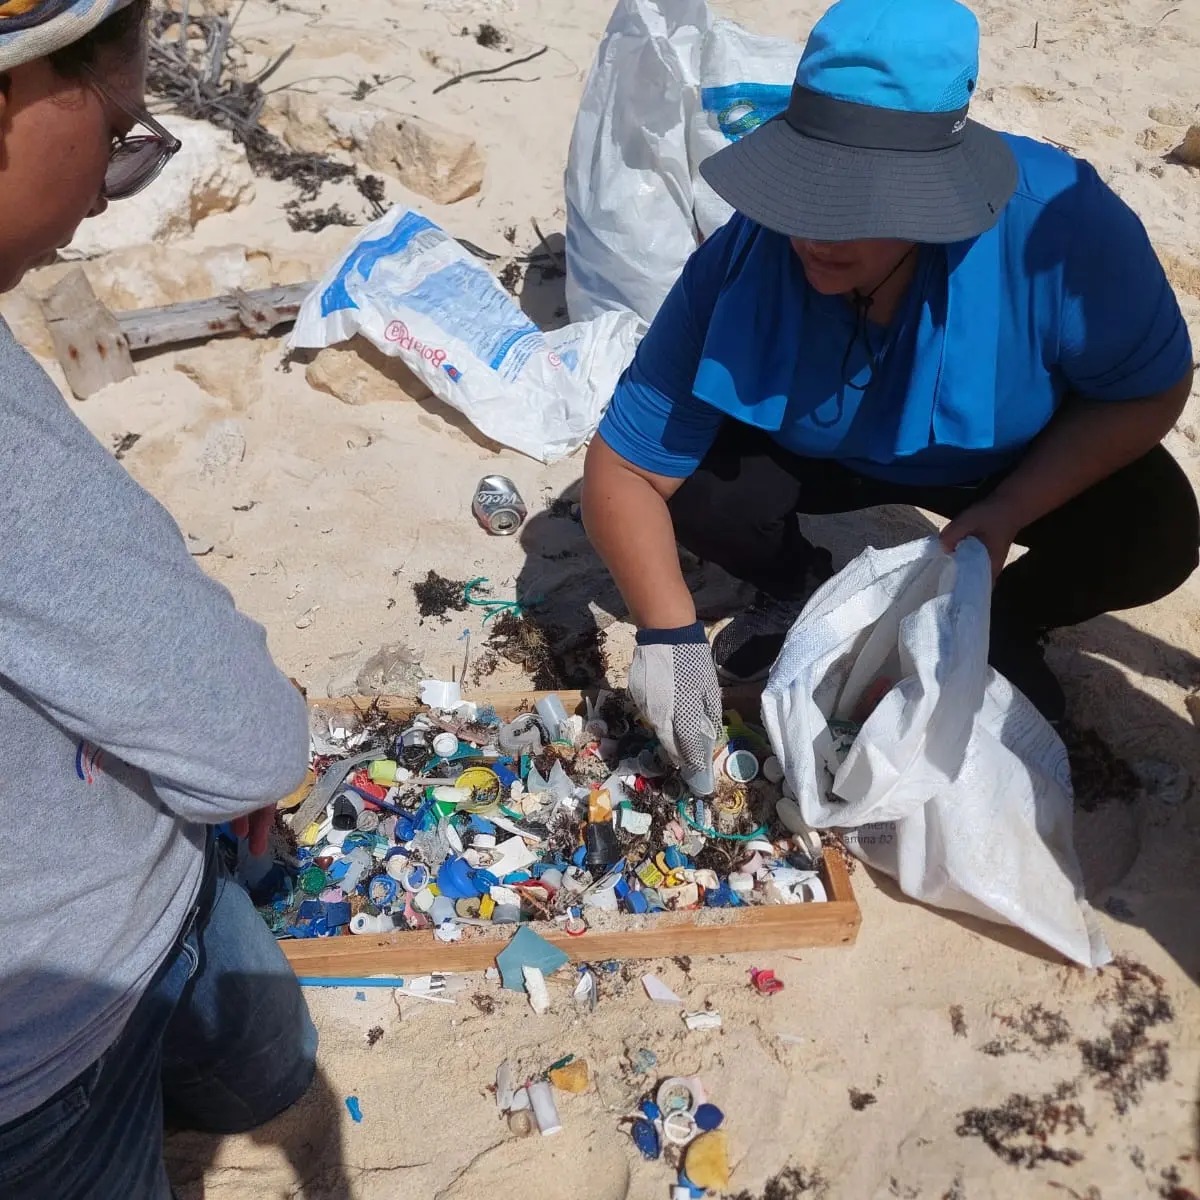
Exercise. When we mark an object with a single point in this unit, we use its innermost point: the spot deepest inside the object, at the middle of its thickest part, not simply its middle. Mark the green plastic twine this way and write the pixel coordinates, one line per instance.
(681, 809)
(493, 608)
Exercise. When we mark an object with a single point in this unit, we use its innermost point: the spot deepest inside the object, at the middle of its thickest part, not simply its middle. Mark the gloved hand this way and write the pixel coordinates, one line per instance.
(674, 682)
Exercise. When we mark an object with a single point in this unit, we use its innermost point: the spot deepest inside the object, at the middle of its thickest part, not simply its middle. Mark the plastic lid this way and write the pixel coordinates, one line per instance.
(741, 766)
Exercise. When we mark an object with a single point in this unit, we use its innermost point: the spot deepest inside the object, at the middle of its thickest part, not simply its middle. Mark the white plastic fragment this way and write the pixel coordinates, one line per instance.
(605, 900)
(658, 991)
(441, 694)
(504, 1086)
(700, 1021)
(511, 856)
(813, 891)
(585, 990)
(545, 1111)
(635, 822)
(539, 995)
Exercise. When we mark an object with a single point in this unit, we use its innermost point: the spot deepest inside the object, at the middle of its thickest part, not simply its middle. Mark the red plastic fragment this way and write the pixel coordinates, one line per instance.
(764, 982)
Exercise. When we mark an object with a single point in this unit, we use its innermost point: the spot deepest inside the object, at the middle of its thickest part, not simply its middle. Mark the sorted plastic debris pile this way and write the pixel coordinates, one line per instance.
(456, 819)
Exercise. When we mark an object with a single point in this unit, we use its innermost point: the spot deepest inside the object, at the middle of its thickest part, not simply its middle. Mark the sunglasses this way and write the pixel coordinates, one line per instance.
(135, 161)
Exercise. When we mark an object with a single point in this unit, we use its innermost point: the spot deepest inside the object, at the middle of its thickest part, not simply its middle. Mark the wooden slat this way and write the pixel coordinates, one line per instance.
(703, 932)
(257, 312)
(508, 704)
(92, 349)
(698, 933)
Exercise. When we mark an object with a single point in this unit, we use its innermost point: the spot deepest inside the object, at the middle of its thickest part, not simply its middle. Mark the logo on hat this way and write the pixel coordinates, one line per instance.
(959, 125)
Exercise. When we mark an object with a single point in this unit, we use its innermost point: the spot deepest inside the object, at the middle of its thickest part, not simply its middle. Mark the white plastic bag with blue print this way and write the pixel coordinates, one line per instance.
(417, 295)
(670, 85)
(954, 785)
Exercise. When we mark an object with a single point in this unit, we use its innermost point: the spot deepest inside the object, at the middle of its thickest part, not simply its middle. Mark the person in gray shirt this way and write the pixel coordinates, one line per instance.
(138, 709)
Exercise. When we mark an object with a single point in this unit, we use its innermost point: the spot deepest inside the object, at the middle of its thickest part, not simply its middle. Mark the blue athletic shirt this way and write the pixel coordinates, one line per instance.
(1065, 295)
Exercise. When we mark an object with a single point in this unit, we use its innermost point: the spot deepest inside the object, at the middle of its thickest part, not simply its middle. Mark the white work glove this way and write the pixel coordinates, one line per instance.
(673, 681)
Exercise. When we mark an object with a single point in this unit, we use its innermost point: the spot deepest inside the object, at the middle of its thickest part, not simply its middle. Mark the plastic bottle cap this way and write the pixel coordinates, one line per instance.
(382, 891)
(445, 745)
(679, 1127)
(741, 766)
(313, 881)
(773, 770)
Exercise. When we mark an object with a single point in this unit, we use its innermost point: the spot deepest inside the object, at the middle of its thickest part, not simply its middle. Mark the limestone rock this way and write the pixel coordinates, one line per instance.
(23, 315)
(223, 448)
(209, 175)
(436, 162)
(393, 670)
(1188, 151)
(358, 373)
(1170, 114)
(315, 124)
(1157, 139)
(232, 372)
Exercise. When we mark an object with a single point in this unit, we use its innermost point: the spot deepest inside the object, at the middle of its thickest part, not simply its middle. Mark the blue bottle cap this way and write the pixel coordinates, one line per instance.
(635, 902)
(708, 1117)
(621, 888)
(579, 857)
(650, 1110)
(674, 858)
(483, 882)
(382, 890)
(645, 1138)
(454, 879)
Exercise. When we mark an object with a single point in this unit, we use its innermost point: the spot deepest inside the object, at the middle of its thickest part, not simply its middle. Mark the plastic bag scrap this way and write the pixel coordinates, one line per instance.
(417, 295)
(954, 784)
(671, 84)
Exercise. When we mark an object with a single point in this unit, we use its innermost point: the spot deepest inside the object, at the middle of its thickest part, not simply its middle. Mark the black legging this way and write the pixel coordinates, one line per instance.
(1128, 540)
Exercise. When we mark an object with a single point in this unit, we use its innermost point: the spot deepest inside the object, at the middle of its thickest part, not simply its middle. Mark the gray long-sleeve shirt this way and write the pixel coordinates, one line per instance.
(136, 706)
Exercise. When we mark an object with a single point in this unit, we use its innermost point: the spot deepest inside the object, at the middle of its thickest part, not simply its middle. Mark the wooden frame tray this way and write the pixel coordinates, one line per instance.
(700, 932)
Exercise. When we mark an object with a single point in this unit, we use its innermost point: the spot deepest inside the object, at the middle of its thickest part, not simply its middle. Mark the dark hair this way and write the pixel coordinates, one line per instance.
(122, 31)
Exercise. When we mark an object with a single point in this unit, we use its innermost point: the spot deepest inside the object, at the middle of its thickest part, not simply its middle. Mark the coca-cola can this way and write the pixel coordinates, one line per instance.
(498, 506)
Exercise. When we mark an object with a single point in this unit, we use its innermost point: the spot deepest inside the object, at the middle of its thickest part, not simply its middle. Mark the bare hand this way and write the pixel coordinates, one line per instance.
(257, 827)
(992, 522)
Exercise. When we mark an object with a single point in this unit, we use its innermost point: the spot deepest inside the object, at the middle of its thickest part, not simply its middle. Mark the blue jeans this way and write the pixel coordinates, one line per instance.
(221, 1042)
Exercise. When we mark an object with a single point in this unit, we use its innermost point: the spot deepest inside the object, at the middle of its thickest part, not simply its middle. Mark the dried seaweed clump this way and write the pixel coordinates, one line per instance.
(1020, 1129)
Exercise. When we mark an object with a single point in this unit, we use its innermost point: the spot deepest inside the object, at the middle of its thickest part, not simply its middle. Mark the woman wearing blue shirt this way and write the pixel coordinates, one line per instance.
(910, 308)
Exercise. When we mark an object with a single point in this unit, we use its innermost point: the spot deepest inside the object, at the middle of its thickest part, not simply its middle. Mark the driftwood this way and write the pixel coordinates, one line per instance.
(257, 313)
(89, 341)
(94, 346)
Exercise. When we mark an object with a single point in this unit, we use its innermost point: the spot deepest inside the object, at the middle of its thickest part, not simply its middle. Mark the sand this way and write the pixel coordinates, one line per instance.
(321, 515)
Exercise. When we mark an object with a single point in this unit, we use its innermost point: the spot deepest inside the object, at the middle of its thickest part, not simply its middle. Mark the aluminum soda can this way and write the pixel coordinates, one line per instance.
(498, 506)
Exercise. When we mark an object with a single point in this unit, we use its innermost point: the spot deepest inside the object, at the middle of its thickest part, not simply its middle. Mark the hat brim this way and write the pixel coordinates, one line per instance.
(827, 192)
